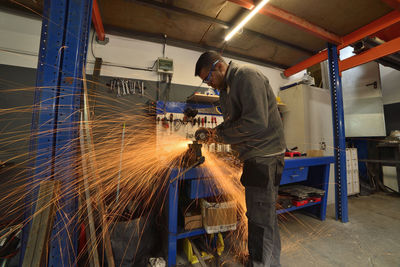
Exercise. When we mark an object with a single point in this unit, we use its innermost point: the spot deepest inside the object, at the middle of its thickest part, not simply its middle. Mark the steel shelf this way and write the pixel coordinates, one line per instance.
(297, 208)
(190, 233)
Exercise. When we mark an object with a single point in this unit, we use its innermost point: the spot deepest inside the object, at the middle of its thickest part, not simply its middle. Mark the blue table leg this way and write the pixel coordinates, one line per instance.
(172, 221)
(318, 177)
(325, 187)
(171, 249)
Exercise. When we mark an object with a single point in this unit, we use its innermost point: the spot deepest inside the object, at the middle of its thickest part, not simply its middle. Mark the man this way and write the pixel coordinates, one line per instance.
(253, 127)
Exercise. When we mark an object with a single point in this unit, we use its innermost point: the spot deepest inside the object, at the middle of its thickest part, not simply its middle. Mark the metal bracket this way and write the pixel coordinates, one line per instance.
(104, 42)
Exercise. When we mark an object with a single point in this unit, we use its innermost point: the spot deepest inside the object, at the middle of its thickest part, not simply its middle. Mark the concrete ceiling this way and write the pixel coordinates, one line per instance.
(204, 24)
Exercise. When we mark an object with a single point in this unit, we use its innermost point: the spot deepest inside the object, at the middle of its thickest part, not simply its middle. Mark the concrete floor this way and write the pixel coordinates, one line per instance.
(370, 238)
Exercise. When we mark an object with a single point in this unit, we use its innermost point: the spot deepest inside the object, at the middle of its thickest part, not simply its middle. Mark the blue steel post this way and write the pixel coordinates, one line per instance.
(338, 135)
(64, 235)
(53, 144)
(41, 150)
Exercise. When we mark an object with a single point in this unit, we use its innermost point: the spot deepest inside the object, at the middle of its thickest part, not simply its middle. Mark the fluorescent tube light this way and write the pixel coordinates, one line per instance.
(246, 19)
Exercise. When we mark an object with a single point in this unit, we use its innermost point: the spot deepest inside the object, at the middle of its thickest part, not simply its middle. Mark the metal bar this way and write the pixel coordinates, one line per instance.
(371, 28)
(41, 147)
(42, 223)
(382, 50)
(107, 250)
(97, 22)
(92, 93)
(338, 135)
(92, 243)
(224, 24)
(292, 19)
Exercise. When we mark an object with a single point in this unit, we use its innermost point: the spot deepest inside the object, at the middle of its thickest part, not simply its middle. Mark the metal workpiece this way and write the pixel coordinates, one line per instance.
(338, 135)
(193, 156)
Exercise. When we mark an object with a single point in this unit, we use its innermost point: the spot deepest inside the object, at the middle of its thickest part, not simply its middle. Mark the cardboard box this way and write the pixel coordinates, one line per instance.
(315, 153)
(218, 217)
(192, 220)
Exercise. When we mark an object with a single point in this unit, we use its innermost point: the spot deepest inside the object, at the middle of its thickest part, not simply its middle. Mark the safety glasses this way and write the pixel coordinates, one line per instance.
(208, 78)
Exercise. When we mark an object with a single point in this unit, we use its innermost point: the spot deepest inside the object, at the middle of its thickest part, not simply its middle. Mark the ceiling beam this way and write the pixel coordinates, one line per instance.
(371, 54)
(395, 4)
(159, 38)
(97, 22)
(371, 28)
(367, 30)
(291, 19)
(224, 24)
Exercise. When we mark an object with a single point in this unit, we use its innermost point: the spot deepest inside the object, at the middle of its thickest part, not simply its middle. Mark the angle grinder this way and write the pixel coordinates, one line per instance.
(203, 135)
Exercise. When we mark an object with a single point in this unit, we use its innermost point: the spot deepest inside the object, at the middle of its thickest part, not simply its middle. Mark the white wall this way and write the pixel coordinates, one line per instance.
(22, 35)
(390, 82)
(142, 54)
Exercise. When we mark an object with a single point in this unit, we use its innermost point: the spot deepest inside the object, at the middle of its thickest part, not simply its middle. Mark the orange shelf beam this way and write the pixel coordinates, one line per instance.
(393, 3)
(97, 22)
(382, 50)
(371, 28)
(291, 19)
(311, 61)
(367, 30)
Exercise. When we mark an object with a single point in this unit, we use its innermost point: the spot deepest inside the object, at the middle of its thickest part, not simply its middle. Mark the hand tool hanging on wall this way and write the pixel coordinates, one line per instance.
(124, 87)
(118, 89)
(133, 87)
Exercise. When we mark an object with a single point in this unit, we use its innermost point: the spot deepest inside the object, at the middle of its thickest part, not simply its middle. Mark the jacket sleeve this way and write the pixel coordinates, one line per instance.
(251, 94)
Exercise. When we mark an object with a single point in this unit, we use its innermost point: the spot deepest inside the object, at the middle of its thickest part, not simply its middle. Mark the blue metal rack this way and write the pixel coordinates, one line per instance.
(63, 47)
(338, 135)
(307, 171)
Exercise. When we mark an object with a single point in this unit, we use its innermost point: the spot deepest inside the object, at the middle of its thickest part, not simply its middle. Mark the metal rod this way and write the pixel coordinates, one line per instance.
(120, 161)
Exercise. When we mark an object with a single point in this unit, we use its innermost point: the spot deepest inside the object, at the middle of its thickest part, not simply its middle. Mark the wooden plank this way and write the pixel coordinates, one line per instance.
(42, 224)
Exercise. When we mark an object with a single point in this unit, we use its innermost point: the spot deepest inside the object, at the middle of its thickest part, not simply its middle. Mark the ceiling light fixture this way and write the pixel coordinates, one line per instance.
(246, 19)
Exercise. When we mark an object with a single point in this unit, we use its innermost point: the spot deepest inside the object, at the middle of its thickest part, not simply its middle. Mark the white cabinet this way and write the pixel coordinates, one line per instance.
(307, 118)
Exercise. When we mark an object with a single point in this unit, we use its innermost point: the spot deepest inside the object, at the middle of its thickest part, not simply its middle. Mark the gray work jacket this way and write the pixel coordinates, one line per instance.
(252, 123)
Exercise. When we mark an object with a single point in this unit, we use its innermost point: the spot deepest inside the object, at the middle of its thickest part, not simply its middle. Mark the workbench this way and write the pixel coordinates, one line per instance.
(307, 171)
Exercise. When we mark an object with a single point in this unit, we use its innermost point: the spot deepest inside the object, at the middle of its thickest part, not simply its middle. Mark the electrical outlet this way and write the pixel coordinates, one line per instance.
(322, 145)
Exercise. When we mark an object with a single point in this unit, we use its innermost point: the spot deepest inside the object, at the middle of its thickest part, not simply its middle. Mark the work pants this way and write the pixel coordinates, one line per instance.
(263, 233)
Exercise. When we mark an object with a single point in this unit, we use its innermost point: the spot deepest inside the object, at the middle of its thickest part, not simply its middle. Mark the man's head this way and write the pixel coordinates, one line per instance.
(211, 68)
